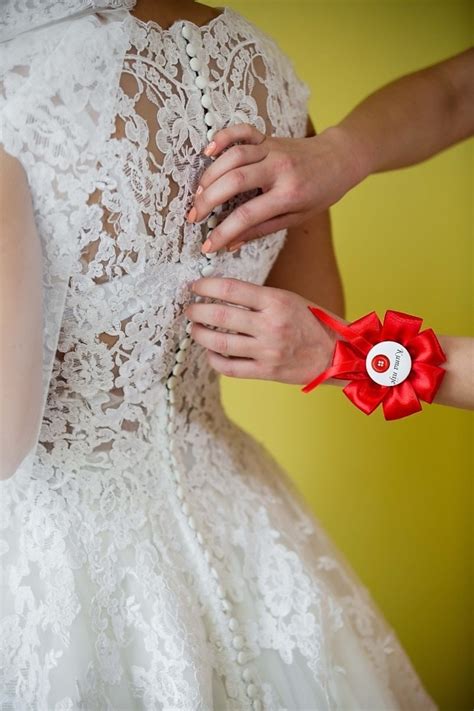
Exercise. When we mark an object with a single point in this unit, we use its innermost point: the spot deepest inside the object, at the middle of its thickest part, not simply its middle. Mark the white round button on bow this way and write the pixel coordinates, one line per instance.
(388, 363)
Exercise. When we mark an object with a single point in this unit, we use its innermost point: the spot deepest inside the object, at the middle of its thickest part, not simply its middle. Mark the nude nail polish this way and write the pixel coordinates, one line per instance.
(210, 149)
(192, 214)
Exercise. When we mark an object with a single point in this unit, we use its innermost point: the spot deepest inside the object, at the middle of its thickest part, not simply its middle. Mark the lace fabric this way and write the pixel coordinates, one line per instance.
(19, 16)
(154, 556)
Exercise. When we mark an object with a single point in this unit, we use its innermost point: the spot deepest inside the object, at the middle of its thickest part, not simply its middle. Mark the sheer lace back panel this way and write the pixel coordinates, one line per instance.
(138, 254)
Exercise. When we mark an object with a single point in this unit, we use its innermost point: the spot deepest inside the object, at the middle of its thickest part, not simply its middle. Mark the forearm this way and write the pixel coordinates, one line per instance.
(307, 265)
(457, 388)
(20, 318)
(412, 118)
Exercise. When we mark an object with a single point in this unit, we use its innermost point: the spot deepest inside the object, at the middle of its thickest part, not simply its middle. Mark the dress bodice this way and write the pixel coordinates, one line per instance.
(123, 319)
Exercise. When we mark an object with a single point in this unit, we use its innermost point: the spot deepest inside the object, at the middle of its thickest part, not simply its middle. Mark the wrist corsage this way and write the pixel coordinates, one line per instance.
(393, 363)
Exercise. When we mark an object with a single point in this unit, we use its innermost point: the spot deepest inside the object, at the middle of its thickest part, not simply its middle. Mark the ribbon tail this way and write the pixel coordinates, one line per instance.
(357, 340)
(342, 371)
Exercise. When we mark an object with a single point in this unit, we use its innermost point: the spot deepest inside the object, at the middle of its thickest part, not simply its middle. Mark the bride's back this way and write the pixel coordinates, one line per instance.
(147, 99)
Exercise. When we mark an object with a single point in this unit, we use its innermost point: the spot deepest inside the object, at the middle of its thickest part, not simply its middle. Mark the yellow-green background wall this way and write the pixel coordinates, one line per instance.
(396, 497)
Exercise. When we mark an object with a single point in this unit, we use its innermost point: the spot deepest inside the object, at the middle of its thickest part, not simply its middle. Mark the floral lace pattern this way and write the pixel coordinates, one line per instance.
(18, 16)
(150, 563)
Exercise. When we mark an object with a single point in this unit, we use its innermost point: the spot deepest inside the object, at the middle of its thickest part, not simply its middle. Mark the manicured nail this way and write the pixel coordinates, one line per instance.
(199, 190)
(192, 215)
(210, 149)
(235, 247)
(207, 246)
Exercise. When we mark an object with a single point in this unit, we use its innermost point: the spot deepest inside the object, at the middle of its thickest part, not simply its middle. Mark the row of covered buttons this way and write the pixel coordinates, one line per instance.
(201, 81)
(207, 269)
(206, 266)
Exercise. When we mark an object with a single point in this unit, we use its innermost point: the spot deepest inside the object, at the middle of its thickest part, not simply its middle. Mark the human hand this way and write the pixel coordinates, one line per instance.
(274, 337)
(298, 176)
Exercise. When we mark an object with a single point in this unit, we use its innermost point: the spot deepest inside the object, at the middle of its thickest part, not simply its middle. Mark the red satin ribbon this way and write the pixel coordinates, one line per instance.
(348, 362)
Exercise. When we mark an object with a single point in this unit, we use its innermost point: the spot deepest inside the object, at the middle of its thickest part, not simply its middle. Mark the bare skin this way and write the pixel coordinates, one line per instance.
(20, 317)
(169, 11)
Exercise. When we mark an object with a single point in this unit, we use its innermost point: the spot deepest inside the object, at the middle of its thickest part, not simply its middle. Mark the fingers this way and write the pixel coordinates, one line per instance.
(241, 132)
(228, 344)
(233, 158)
(247, 216)
(227, 187)
(234, 291)
(235, 367)
(222, 316)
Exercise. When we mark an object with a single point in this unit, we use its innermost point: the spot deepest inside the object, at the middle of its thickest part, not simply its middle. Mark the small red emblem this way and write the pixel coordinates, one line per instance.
(380, 363)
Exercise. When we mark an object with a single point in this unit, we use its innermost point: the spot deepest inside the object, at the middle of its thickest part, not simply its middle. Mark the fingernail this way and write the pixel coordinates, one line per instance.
(192, 215)
(210, 149)
(199, 190)
(207, 246)
(235, 247)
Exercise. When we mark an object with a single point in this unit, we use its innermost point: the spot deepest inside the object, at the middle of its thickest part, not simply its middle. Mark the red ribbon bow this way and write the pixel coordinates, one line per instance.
(349, 362)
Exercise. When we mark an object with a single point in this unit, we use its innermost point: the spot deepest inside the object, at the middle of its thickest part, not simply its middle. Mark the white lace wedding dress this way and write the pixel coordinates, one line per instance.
(154, 556)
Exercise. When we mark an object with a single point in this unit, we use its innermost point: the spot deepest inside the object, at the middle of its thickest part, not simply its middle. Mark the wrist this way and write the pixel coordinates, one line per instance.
(354, 152)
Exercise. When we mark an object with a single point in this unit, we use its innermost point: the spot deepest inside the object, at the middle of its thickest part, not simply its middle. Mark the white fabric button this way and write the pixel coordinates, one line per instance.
(208, 270)
(200, 538)
(212, 221)
(226, 606)
(191, 522)
(201, 82)
(246, 674)
(187, 32)
(178, 369)
(185, 508)
(233, 624)
(241, 658)
(184, 344)
(214, 573)
(189, 327)
(172, 382)
(210, 134)
(209, 118)
(257, 705)
(238, 642)
(180, 492)
(388, 363)
(211, 255)
(195, 64)
(220, 591)
(206, 101)
(207, 555)
(252, 691)
(170, 428)
(180, 357)
(191, 50)
(171, 397)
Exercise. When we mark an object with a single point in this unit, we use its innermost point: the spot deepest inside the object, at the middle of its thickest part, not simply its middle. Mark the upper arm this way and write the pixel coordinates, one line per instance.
(20, 317)
(307, 263)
